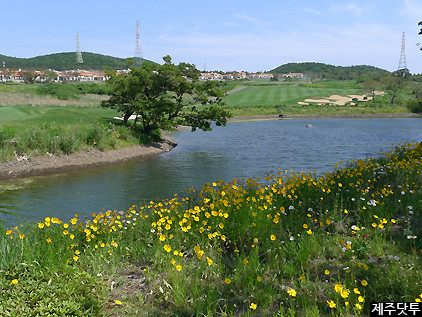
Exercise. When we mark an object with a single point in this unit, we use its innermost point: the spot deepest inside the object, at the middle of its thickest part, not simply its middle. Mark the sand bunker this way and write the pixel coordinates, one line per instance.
(339, 100)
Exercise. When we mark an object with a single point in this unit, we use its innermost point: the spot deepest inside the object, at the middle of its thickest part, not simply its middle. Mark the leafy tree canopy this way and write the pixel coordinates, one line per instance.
(165, 96)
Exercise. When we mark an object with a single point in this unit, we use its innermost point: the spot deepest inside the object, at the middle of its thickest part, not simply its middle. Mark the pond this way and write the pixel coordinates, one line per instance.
(243, 149)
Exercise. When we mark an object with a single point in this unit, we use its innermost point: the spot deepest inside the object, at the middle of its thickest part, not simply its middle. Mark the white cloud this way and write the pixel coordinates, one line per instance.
(251, 19)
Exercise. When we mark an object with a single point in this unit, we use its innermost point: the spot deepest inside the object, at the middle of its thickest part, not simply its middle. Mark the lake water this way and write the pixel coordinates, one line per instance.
(238, 150)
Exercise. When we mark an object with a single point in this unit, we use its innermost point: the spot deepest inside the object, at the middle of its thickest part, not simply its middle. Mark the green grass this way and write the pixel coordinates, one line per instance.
(37, 130)
(288, 245)
(265, 98)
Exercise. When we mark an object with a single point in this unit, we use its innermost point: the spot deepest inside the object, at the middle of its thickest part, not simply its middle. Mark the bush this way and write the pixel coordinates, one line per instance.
(414, 106)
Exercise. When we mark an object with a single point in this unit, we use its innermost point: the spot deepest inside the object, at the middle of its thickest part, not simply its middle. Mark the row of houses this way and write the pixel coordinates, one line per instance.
(52, 76)
(234, 76)
(99, 76)
(243, 75)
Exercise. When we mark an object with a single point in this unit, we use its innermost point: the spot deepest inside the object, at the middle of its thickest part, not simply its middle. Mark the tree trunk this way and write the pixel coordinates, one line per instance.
(127, 116)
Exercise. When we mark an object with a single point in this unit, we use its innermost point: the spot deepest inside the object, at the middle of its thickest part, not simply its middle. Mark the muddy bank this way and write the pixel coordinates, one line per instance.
(51, 164)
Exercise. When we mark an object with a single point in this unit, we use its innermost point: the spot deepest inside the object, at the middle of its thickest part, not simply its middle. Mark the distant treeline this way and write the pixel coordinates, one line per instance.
(325, 71)
(64, 61)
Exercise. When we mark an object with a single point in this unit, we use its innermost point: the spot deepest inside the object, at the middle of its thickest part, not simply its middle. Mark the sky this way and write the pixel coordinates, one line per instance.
(221, 35)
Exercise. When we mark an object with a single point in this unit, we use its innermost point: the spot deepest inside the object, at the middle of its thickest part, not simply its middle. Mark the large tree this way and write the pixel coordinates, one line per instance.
(165, 96)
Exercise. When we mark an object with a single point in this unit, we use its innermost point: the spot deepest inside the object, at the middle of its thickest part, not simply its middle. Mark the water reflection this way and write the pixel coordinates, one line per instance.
(239, 150)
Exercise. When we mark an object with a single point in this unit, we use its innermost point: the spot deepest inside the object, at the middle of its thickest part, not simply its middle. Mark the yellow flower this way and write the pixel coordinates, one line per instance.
(356, 290)
(338, 288)
(77, 252)
(221, 225)
(22, 236)
(245, 261)
(259, 278)
(75, 258)
(305, 226)
(178, 267)
(346, 211)
(209, 261)
(118, 302)
(361, 299)
(309, 232)
(162, 237)
(344, 293)
(303, 278)
(227, 281)
(167, 247)
(359, 306)
(41, 225)
(48, 240)
(364, 282)
(72, 236)
(14, 282)
(331, 304)
(346, 303)
(272, 237)
(327, 272)
(292, 292)
(253, 306)
(65, 232)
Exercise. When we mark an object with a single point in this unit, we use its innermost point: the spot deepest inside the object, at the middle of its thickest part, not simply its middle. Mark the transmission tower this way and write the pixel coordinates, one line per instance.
(402, 63)
(78, 50)
(138, 48)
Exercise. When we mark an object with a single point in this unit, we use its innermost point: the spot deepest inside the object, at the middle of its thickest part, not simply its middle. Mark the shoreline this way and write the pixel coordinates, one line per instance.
(51, 164)
(324, 116)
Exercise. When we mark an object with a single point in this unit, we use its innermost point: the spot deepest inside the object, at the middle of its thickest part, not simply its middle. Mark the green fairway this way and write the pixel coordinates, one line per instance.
(64, 115)
(272, 95)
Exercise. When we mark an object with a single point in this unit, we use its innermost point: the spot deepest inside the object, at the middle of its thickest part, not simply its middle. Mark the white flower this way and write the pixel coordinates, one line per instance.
(291, 207)
(153, 230)
(410, 207)
(402, 192)
(291, 238)
(310, 209)
(99, 274)
(372, 202)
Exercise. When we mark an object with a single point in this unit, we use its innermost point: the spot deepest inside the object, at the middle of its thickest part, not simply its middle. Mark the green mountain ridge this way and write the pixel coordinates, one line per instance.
(94, 61)
(65, 61)
(331, 71)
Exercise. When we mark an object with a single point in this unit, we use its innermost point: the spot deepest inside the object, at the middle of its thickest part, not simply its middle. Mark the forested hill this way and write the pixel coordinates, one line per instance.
(331, 71)
(65, 61)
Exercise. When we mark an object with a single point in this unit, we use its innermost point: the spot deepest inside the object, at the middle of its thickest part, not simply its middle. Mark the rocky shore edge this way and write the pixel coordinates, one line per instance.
(52, 164)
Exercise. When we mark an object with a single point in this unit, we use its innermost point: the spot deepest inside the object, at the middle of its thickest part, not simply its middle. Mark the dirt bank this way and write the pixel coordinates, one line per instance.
(51, 164)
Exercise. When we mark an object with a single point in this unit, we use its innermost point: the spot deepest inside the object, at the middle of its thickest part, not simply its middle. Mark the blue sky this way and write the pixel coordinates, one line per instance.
(220, 35)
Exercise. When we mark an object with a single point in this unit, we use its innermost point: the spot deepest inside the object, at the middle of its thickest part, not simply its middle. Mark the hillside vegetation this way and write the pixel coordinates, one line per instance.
(331, 71)
(65, 61)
